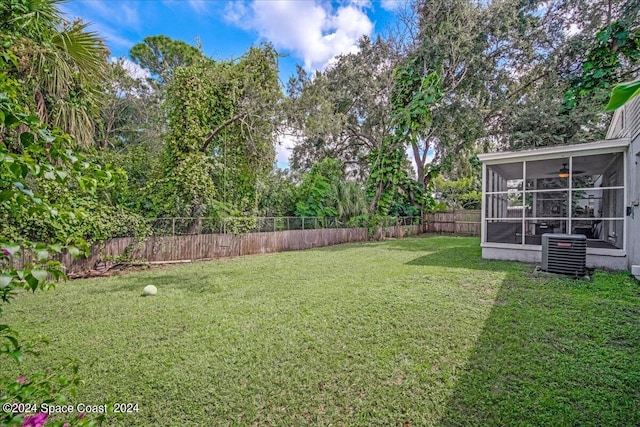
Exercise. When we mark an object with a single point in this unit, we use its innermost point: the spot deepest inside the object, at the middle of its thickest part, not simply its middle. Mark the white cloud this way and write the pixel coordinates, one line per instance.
(284, 146)
(117, 14)
(133, 69)
(312, 30)
(130, 16)
(392, 5)
(111, 36)
(235, 13)
(199, 6)
(104, 18)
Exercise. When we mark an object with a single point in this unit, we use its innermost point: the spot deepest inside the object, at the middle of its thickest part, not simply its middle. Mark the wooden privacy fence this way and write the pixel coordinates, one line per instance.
(244, 224)
(187, 248)
(465, 223)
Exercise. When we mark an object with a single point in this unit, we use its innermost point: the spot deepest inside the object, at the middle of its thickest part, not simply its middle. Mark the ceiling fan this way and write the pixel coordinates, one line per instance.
(564, 172)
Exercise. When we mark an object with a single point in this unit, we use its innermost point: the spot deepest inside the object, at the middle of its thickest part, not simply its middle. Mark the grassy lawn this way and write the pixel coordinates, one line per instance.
(405, 332)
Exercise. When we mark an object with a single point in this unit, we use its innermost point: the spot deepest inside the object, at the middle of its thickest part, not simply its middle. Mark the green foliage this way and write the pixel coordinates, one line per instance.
(343, 111)
(49, 389)
(463, 193)
(317, 195)
(438, 89)
(47, 192)
(359, 221)
(130, 112)
(414, 94)
(188, 190)
(239, 224)
(569, 80)
(59, 63)
(139, 162)
(390, 188)
(325, 192)
(52, 194)
(351, 199)
(616, 44)
(221, 135)
(623, 93)
(413, 98)
(162, 55)
(276, 194)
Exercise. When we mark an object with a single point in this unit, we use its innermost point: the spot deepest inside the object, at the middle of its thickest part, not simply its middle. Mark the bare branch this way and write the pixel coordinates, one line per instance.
(219, 129)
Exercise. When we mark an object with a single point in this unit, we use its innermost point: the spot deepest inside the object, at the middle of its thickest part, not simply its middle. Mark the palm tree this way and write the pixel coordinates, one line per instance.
(60, 62)
(351, 199)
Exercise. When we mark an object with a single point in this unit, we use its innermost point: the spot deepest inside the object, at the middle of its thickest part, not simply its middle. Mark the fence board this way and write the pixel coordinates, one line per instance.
(455, 222)
(211, 246)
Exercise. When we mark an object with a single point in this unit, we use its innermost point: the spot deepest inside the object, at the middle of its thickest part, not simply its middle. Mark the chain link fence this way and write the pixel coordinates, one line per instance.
(239, 225)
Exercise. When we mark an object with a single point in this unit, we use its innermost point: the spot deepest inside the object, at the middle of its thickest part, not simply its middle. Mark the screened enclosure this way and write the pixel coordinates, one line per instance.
(578, 194)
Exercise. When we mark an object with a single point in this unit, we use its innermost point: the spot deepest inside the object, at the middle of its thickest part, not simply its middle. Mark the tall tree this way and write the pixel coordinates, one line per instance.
(343, 112)
(502, 69)
(223, 118)
(130, 113)
(60, 62)
(130, 130)
(448, 89)
(161, 55)
(583, 48)
(612, 54)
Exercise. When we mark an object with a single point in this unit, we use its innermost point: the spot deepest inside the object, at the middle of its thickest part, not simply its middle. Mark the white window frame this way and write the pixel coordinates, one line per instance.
(567, 152)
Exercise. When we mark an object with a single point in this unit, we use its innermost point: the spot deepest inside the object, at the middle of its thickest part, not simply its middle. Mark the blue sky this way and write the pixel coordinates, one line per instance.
(308, 32)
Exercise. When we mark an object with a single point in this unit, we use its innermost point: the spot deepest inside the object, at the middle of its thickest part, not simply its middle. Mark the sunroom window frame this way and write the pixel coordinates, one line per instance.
(611, 147)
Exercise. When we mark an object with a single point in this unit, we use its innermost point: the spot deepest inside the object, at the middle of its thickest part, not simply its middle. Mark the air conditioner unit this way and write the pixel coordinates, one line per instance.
(564, 254)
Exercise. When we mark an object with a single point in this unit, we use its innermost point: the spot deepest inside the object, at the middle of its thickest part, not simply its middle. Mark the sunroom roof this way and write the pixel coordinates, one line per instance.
(557, 151)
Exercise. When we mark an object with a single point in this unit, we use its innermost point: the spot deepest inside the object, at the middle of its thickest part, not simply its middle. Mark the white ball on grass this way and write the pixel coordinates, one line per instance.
(149, 290)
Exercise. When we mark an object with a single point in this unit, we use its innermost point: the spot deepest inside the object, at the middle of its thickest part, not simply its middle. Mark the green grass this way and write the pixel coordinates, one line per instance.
(413, 332)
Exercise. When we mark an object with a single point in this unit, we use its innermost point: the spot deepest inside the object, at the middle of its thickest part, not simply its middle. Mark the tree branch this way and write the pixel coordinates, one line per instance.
(219, 129)
(516, 92)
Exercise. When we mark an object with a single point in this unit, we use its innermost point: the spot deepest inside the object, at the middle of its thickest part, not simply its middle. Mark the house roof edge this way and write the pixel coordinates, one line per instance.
(618, 144)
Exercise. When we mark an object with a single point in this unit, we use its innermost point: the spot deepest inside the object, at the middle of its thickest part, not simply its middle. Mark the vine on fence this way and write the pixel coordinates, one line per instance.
(239, 225)
(246, 224)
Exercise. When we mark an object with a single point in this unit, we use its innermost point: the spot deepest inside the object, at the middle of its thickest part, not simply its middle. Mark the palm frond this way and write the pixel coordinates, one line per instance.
(63, 64)
(350, 199)
(33, 19)
(51, 72)
(75, 119)
(84, 50)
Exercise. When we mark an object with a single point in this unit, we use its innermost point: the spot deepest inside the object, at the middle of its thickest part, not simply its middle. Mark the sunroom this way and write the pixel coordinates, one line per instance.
(574, 189)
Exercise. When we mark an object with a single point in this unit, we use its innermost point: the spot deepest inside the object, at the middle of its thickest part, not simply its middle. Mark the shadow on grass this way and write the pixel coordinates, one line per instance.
(430, 242)
(552, 352)
(467, 256)
(198, 283)
(419, 243)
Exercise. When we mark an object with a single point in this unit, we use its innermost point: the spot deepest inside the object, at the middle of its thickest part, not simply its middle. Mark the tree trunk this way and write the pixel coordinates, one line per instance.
(418, 160)
(376, 197)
